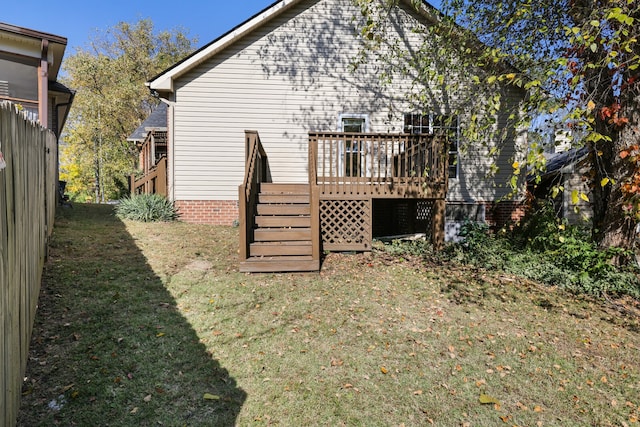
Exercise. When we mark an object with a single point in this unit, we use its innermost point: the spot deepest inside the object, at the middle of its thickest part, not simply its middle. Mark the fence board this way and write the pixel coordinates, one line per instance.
(27, 207)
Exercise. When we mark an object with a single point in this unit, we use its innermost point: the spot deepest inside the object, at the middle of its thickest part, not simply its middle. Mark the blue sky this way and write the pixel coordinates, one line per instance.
(78, 20)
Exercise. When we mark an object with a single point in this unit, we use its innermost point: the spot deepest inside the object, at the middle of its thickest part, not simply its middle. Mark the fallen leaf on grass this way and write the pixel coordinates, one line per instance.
(485, 399)
(209, 396)
(147, 398)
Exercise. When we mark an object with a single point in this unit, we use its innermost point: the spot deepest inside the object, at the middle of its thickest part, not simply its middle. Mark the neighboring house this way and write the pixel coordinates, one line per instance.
(151, 141)
(566, 170)
(29, 64)
(357, 159)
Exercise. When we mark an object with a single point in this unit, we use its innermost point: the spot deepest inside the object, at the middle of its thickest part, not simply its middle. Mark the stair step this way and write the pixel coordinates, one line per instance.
(298, 209)
(281, 235)
(283, 221)
(273, 188)
(283, 198)
(281, 248)
(282, 241)
(279, 264)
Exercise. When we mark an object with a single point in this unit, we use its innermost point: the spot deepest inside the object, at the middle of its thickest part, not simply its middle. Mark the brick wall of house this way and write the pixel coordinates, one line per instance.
(503, 213)
(215, 212)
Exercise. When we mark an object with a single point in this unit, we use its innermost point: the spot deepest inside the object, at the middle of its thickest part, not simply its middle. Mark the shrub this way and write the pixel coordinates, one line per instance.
(147, 208)
(547, 249)
(543, 248)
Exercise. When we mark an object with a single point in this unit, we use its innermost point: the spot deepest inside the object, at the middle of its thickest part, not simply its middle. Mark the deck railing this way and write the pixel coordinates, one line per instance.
(153, 148)
(153, 182)
(255, 172)
(377, 165)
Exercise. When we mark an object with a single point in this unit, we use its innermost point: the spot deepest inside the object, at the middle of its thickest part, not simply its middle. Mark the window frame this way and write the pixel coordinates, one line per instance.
(453, 146)
(347, 149)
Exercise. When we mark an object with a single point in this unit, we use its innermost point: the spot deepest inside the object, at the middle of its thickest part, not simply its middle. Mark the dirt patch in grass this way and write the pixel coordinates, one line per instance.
(150, 324)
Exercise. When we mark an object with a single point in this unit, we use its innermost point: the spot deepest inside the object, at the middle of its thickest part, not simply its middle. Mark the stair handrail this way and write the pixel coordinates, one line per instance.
(255, 173)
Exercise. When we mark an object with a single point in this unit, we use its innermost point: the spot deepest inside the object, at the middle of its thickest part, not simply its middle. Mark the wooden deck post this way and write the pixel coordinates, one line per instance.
(314, 202)
(161, 177)
(132, 185)
(437, 232)
(243, 250)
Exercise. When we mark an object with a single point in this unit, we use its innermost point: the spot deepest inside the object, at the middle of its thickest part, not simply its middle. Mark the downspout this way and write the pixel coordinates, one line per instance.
(170, 149)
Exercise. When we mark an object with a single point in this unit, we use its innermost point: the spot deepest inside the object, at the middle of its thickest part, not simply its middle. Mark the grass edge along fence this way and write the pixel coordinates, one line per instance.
(28, 182)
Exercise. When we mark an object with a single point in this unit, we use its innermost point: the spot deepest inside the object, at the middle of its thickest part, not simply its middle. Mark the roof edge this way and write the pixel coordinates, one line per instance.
(163, 82)
(27, 32)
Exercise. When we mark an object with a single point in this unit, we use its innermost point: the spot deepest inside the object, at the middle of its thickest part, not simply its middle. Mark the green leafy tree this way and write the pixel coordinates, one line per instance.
(111, 101)
(578, 61)
(583, 57)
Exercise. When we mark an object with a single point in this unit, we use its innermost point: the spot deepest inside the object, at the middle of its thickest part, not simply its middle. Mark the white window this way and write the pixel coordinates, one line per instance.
(441, 124)
(352, 151)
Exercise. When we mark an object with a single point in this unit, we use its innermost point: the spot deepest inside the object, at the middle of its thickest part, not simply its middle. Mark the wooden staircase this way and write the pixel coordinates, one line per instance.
(282, 238)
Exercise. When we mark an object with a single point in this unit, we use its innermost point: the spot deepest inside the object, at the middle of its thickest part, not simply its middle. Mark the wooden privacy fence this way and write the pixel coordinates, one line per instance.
(28, 184)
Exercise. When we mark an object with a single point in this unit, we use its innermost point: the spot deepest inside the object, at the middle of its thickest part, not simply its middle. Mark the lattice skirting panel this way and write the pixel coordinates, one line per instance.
(424, 215)
(346, 225)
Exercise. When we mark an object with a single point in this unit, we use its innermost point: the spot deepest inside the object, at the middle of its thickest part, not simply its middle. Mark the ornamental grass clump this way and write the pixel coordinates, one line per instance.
(147, 208)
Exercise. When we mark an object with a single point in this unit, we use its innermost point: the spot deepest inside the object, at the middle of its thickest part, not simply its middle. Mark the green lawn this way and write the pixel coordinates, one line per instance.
(152, 324)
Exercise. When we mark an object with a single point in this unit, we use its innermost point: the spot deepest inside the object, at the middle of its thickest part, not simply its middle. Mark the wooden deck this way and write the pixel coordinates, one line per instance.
(284, 227)
(154, 181)
(344, 165)
(153, 162)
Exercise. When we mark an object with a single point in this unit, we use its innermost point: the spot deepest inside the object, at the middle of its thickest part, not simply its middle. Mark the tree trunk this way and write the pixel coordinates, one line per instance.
(612, 224)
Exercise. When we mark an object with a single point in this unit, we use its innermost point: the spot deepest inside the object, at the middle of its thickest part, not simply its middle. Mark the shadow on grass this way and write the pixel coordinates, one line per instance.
(109, 346)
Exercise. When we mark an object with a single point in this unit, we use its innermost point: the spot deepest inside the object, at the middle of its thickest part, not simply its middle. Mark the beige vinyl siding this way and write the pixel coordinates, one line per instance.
(273, 81)
(289, 77)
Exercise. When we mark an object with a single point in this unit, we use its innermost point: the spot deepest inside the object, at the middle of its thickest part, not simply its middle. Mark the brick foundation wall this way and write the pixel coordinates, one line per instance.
(499, 214)
(214, 212)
